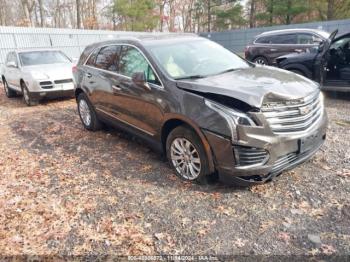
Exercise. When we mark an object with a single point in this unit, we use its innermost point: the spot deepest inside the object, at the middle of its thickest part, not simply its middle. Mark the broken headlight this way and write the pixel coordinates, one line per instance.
(232, 117)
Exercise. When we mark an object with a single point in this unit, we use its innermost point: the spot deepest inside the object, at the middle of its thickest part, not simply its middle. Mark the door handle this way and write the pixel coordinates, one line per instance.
(88, 75)
(116, 87)
(298, 50)
(273, 49)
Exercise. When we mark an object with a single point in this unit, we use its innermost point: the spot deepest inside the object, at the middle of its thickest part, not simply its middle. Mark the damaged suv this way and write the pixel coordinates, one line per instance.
(206, 108)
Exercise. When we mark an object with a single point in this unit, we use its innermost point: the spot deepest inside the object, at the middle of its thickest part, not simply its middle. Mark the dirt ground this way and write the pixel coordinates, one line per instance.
(64, 190)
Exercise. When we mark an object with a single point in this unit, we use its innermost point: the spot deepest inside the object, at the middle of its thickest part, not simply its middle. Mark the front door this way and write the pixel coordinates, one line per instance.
(138, 106)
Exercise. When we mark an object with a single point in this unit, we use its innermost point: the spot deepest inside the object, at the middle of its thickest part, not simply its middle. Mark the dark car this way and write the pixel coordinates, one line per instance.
(328, 63)
(266, 47)
(206, 108)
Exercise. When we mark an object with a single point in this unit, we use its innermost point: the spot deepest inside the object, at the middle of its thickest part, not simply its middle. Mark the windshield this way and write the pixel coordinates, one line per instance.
(43, 57)
(199, 58)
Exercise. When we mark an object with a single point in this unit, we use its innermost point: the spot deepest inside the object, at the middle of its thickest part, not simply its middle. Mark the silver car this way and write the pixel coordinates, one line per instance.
(37, 74)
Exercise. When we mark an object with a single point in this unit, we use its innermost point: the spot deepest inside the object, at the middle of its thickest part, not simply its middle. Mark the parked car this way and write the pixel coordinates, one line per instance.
(266, 47)
(328, 63)
(206, 108)
(37, 74)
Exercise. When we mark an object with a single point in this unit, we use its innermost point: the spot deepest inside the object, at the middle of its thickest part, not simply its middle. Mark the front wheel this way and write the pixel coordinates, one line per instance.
(186, 155)
(8, 91)
(27, 96)
(87, 113)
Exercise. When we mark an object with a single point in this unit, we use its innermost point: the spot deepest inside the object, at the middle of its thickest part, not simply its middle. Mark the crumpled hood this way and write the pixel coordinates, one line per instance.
(254, 85)
(53, 71)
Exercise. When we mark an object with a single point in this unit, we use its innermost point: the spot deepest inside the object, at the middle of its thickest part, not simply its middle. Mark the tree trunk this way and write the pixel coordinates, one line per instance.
(209, 15)
(77, 2)
(289, 7)
(271, 11)
(252, 14)
(41, 12)
(330, 10)
(26, 11)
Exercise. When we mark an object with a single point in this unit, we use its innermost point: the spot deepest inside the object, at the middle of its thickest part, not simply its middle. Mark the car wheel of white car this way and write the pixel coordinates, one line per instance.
(8, 91)
(26, 96)
(87, 113)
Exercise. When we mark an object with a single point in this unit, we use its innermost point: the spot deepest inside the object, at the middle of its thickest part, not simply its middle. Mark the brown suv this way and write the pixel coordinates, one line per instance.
(266, 47)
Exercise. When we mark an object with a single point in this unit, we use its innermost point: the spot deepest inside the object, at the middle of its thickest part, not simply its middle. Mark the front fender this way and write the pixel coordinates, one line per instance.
(299, 67)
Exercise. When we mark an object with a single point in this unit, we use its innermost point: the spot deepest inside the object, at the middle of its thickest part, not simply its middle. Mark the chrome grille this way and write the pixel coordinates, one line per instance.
(293, 115)
(246, 156)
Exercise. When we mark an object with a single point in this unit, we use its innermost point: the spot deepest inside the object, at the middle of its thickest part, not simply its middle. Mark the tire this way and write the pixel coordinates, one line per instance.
(296, 71)
(87, 113)
(27, 96)
(8, 91)
(188, 167)
(260, 60)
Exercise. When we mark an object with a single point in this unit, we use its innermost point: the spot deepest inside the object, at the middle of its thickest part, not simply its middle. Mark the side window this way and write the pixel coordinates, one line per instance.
(308, 39)
(92, 58)
(108, 58)
(11, 57)
(287, 39)
(132, 61)
(263, 40)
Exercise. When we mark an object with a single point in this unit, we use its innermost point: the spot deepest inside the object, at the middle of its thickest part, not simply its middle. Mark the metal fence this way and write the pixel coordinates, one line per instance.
(236, 40)
(70, 41)
(73, 41)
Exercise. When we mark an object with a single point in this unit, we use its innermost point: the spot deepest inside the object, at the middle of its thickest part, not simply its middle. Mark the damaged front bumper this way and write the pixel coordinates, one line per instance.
(260, 154)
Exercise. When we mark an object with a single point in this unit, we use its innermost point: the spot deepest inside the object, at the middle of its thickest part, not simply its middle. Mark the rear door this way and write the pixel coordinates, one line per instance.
(282, 45)
(101, 78)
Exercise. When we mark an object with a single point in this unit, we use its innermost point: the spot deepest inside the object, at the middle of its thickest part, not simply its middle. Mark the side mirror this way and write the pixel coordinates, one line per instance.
(11, 64)
(139, 79)
(320, 47)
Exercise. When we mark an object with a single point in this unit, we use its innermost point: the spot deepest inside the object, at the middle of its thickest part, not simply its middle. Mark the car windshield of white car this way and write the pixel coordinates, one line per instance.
(43, 57)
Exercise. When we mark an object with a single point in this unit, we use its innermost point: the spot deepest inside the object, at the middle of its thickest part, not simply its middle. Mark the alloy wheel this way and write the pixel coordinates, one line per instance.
(26, 95)
(185, 158)
(84, 112)
(260, 61)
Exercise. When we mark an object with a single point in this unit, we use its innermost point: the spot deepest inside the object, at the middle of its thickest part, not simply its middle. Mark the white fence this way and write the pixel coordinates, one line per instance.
(70, 41)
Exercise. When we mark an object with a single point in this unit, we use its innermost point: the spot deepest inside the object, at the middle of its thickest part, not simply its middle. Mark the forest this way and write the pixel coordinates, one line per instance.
(168, 15)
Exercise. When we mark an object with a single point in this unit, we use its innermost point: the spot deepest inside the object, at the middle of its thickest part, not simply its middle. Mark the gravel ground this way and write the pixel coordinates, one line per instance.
(64, 190)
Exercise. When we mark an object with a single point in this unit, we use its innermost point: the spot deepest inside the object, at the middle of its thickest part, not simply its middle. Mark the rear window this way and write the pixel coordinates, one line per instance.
(284, 39)
(263, 40)
(288, 39)
(108, 58)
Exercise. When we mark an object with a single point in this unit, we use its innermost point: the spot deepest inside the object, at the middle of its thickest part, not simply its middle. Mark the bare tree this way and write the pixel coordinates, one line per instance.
(78, 13)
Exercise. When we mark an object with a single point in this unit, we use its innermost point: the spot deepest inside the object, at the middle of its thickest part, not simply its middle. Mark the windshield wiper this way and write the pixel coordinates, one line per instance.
(226, 71)
(190, 77)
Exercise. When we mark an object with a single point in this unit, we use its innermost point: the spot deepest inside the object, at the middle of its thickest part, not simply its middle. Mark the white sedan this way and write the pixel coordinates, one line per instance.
(37, 74)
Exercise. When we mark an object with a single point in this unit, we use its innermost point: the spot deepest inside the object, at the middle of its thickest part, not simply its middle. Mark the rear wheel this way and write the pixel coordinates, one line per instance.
(87, 113)
(27, 96)
(186, 155)
(8, 91)
(260, 60)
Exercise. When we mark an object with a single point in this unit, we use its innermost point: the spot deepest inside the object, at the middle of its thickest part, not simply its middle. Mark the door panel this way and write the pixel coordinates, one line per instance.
(135, 104)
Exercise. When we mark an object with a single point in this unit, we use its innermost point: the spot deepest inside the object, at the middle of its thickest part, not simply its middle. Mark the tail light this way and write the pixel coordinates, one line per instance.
(74, 69)
(246, 49)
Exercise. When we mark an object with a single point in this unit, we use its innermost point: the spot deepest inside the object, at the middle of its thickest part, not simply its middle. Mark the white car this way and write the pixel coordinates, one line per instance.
(37, 74)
